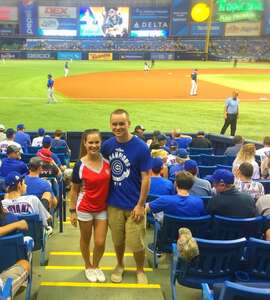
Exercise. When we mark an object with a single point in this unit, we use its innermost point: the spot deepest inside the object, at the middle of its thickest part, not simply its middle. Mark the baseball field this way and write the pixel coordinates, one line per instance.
(158, 99)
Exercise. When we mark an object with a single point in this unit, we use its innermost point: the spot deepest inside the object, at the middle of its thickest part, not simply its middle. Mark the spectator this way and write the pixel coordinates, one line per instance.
(180, 159)
(244, 183)
(37, 141)
(200, 141)
(238, 142)
(162, 140)
(57, 140)
(22, 138)
(49, 167)
(13, 162)
(200, 186)
(139, 131)
(39, 186)
(158, 184)
(247, 154)
(265, 167)
(15, 202)
(47, 144)
(265, 151)
(10, 133)
(154, 139)
(2, 133)
(182, 140)
(228, 201)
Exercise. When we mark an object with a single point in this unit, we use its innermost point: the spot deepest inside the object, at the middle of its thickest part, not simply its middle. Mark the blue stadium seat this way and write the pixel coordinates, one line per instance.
(33, 149)
(167, 233)
(236, 291)
(196, 151)
(205, 200)
(27, 156)
(225, 228)
(196, 157)
(206, 170)
(213, 160)
(150, 217)
(227, 167)
(230, 160)
(217, 262)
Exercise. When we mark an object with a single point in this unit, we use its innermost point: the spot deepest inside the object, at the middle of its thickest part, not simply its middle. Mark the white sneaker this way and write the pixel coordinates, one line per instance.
(100, 275)
(91, 275)
(49, 231)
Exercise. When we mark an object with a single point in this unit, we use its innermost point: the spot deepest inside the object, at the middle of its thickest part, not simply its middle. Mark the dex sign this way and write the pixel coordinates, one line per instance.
(57, 12)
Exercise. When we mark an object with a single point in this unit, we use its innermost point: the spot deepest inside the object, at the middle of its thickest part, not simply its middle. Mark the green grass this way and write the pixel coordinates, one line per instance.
(23, 96)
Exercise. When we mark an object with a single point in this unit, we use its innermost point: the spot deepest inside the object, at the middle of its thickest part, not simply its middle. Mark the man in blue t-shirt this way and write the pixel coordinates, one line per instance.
(22, 138)
(50, 86)
(130, 162)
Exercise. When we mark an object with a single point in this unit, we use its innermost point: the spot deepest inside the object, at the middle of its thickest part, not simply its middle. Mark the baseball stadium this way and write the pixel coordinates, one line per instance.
(184, 70)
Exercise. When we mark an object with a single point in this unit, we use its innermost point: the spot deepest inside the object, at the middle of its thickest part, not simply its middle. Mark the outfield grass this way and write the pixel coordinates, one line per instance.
(23, 97)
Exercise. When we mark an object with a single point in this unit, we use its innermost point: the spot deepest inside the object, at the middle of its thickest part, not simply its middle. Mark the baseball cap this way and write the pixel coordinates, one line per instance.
(2, 127)
(139, 127)
(182, 153)
(157, 163)
(45, 155)
(12, 148)
(41, 131)
(10, 132)
(20, 126)
(35, 162)
(162, 137)
(12, 179)
(47, 140)
(223, 176)
(190, 165)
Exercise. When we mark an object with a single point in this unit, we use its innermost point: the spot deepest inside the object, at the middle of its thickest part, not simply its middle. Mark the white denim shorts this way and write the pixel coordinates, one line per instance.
(86, 217)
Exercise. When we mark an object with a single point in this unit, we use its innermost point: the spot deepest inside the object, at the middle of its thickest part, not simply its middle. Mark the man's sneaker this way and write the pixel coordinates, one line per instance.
(90, 274)
(117, 274)
(100, 275)
(49, 230)
(142, 278)
(151, 248)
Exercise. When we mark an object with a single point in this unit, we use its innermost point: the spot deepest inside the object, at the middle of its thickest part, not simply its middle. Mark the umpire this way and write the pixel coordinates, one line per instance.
(231, 113)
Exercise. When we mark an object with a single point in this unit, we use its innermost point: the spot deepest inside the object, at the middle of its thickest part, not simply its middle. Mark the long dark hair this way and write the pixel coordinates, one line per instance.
(84, 138)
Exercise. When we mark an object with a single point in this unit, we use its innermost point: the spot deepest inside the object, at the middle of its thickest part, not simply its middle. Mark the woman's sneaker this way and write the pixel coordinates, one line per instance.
(49, 230)
(90, 274)
(100, 275)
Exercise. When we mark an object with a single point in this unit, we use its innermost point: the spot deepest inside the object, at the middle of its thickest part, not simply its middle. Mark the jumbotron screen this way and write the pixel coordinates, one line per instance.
(104, 22)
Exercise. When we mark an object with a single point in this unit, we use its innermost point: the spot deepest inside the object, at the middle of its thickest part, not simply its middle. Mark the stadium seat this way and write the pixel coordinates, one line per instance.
(213, 160)
(217, 262)
(225, 228)
(205, 200)
(150, 217)
(196, 151)
(196, 157)
(236, 291)
(230, 160)
(167, 233)
(27, 156)
(227, 167)
(206, 170)
(6, 291)
(33, 149)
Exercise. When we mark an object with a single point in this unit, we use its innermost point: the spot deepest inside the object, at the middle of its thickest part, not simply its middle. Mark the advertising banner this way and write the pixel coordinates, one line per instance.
(57, 12)
(67, 55)
(200, 29)
(104, 21)
(28, 16)
(266, 26)
(8, 13)
(40, 55)
(243, 29)
(57, 27)
(147, 22)
(10, 55)
(8, 29)
(180, 13)
(131, 56)
(100, 56)
(162, 55)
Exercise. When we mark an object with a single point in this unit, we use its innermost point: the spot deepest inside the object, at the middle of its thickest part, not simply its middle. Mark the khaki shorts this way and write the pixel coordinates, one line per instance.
(125, 230)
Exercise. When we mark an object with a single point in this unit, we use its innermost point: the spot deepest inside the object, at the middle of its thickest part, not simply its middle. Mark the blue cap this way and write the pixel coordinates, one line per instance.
(47, 140)
(223, 176)
(157, 163)
(20, 126)
(13, 178)
(190, 165)
(182, 153)
(41, 131)
(162, 137)
(10, 131)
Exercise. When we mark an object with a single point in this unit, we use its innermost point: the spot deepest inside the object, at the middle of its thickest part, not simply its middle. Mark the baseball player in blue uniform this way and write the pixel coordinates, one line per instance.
(194, 83)
(50, 85)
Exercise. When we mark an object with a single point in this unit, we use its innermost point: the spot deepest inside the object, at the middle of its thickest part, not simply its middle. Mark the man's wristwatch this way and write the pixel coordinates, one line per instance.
(72, 210)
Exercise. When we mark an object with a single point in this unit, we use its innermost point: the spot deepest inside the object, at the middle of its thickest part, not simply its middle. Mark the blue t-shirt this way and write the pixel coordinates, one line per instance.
(173, 169)
(232, 105)
(127, 161)
(179, 206)
(8, 218)
(56, 159)
(12, 164)
(37, 186)
(23, 139)
(50, 83)
(161, 186)
(59, 143)
(183, 142)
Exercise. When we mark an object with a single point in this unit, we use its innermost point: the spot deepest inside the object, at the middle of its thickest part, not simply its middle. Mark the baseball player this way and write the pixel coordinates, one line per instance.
(194, 82)
(66, 69)
(146, 66)
(50, 85)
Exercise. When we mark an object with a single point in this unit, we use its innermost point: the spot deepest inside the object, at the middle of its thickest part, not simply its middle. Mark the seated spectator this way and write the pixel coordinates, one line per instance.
(37, 141)
(157, 151)
(182, 140)
(200, 141)
(10, 134)
(244, 183)
(49, 167)
(247, 154)
(22, 138)
(47, 144)
(182, 204)
(57, 140)
(162, 140)
(159, 185)
(265, 151)
(2, 133)
(238, 142)
(13, 162)
(263, 205)
(15, 202)
(180, 159)
(228, 201)
(154, 139)
(139, 132)
(39, 186)
(265, 167)
(200, 186)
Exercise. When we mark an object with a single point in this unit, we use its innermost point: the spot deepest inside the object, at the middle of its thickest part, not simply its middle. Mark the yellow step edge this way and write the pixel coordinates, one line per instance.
(100, 285)
(82, 268)
(78, 253)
